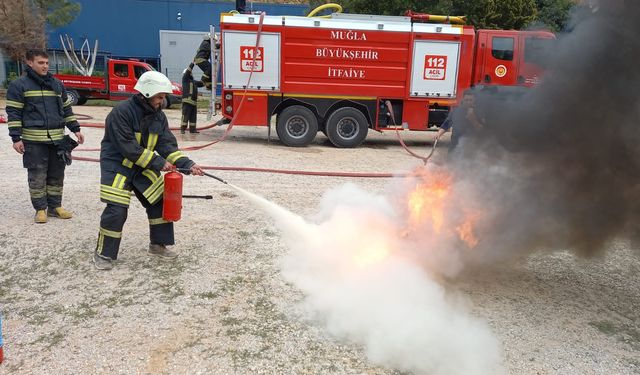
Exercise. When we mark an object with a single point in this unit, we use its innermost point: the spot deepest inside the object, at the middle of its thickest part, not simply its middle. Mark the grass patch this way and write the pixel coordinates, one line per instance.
(269, 233)
(606, 327)
(101, 103)
(623, 333)
(228, 194)
(208, 295)
(34, 315)
(50, 340)
(83, 312)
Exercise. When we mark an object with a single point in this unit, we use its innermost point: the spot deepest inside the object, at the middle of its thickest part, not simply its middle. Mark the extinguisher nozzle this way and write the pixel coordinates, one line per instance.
(216, 178)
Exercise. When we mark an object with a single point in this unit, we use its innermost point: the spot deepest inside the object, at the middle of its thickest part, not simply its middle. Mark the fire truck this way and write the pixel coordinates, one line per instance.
(347, 74)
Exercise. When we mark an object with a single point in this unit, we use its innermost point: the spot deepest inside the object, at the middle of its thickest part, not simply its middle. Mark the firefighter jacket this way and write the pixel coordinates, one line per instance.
(38, 109)
(204, 52)
(137, 142)
(190, 87)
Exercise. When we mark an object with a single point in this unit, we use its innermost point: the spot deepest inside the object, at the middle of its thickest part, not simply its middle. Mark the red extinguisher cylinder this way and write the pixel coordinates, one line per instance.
(172, 203)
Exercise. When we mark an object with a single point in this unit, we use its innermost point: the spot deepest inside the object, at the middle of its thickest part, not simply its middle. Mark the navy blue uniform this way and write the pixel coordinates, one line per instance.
(136, 144)
(38, 111)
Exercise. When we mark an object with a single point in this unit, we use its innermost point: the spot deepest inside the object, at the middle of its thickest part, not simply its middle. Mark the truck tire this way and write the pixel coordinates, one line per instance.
(82, 100)
(297, 126)
(347, 127)
(73, 96)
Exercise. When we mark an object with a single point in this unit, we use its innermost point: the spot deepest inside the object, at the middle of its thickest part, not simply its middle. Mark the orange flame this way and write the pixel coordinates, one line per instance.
(427, 203)
(466, 230)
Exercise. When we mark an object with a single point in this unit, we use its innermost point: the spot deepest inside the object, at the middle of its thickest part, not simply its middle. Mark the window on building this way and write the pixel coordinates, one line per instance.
(502, 48)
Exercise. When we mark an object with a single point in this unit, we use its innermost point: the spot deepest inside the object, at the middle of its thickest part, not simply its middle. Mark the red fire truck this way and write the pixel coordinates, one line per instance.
(117, 84)
(343, 75)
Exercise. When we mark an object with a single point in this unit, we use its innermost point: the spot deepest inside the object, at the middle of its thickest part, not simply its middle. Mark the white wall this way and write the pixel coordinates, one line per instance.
(177, 50)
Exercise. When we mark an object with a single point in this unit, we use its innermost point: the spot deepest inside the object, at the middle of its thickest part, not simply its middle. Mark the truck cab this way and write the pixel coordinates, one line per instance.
(117, 83)
(509, 57)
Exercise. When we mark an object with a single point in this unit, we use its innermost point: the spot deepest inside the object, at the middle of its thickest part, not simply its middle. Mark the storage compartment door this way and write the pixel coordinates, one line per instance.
(434, 72)
(238, 51)
(254, 109)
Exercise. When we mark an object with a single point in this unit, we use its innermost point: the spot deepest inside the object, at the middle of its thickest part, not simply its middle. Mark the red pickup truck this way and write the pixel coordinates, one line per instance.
(116, 84)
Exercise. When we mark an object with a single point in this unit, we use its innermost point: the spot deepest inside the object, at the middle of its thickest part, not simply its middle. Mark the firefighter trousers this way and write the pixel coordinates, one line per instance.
(189, 116)
(113, 219)
(45, 173)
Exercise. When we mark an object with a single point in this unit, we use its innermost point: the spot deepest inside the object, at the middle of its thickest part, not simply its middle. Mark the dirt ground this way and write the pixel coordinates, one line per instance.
(223, 306)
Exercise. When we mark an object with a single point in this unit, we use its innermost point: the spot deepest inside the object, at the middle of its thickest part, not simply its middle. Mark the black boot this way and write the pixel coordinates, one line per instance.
(183, 129)
(192, 130)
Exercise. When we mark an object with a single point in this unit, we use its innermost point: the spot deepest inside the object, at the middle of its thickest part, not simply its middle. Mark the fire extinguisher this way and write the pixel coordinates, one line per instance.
(172, 203)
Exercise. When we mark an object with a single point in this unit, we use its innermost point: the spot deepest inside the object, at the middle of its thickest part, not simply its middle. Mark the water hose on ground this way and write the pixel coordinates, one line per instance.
(424, 159)
(289, 171)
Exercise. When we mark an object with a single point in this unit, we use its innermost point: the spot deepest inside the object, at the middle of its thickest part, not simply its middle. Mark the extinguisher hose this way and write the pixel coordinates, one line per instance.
(185, 170)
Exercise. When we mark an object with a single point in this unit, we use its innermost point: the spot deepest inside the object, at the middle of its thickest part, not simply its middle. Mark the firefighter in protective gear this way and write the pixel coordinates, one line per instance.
(136, 147)
(202, 59)
(189, 101)
(39, 110)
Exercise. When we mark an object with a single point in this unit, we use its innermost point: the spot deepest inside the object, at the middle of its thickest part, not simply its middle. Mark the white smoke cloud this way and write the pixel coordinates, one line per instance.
(358, 283)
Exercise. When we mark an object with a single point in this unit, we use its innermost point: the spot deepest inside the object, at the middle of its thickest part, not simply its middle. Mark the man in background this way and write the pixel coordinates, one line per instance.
(189, 101)
(38, 111)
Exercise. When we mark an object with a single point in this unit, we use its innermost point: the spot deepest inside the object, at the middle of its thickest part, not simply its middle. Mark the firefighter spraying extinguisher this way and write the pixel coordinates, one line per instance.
(132, 165)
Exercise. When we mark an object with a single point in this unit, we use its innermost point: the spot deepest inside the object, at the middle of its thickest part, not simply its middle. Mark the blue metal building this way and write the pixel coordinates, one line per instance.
(129, 28)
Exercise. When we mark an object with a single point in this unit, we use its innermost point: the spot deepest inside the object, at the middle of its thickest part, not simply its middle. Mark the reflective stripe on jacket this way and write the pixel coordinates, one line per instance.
(137, 142)
(38, 109)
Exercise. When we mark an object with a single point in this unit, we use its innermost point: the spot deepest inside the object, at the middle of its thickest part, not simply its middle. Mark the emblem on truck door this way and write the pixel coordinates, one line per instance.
(501, 71)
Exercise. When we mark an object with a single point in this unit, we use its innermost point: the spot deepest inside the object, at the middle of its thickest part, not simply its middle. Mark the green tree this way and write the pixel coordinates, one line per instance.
(391, 7)
(498, 14)
(495, 14)
(58, 12)
(554, 13)
(23, 23)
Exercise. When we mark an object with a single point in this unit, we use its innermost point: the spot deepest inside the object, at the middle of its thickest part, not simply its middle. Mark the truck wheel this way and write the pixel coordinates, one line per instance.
(347, 127)
(297, 126)
(73, 96)
(82, 100)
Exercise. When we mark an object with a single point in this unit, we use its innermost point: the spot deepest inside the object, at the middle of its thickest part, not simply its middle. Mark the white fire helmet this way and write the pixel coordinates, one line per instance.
(151, 83)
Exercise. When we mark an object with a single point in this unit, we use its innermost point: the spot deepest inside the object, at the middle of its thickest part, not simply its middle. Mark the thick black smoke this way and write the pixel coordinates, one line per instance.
(559, 167)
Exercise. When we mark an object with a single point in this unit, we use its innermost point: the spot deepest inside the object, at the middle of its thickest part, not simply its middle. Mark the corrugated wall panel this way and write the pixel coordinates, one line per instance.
(131, 27)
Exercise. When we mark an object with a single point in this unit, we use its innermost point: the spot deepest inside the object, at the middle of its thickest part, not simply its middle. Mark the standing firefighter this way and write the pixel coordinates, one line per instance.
(189, 101)
(137, 145)
(39, 110)
(202, 59)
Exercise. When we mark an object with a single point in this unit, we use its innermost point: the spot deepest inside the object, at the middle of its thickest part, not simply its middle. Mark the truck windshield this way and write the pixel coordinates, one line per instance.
(140, 69)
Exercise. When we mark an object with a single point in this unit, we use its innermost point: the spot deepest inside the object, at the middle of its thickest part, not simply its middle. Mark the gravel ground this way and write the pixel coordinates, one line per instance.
(224, 307)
